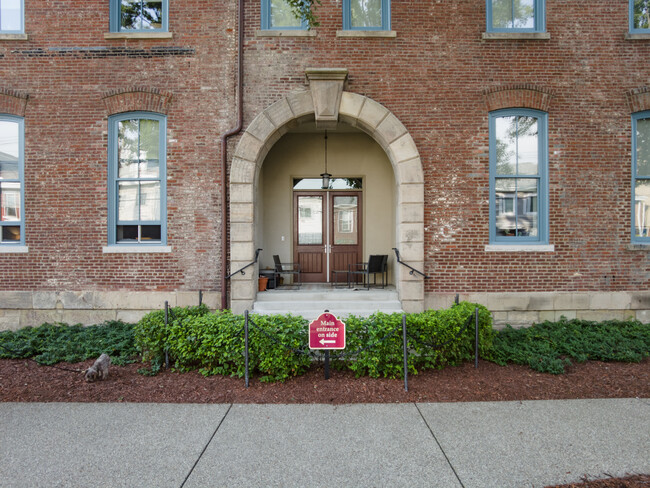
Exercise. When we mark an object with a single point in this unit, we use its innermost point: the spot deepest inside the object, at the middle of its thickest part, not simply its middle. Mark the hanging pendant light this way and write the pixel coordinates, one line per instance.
(325, 176)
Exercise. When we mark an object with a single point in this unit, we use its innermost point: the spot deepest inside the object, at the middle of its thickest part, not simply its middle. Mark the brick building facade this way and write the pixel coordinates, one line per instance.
(433, 89)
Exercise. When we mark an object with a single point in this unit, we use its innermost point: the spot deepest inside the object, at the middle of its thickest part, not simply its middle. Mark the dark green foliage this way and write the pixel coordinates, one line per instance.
(304, 9)
(436, 338)
(55, 343)
(550, 346)
(213, 343)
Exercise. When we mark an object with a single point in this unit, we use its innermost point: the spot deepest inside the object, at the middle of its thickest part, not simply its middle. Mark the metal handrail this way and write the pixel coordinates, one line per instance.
(241, 270)
(413, 270)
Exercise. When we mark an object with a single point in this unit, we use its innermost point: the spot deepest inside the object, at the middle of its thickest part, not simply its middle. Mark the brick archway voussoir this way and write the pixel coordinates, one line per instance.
(136, 99)
(518, 96)
(639, 99)
(13, 102)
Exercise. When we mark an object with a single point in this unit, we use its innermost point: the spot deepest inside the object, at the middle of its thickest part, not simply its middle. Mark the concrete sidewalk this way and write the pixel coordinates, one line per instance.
(492, 444)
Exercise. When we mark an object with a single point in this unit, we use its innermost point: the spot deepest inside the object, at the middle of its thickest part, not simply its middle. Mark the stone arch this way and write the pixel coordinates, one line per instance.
(356, 110)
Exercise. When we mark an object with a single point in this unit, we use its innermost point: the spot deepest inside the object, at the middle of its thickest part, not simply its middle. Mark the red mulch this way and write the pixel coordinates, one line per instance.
(25, 381)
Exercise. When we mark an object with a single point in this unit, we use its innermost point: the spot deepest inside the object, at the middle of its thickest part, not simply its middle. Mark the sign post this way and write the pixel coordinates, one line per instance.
(326, 333)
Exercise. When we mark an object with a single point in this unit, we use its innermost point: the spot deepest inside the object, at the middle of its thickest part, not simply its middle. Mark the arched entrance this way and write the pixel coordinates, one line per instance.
(357, 111)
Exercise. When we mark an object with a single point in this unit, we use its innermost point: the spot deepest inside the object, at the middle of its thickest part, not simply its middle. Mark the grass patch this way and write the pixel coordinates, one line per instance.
(55, 343)
(551, 346)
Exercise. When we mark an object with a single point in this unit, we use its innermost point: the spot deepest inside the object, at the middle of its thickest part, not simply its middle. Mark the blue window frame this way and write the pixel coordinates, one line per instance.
(516, 16)
(278, 15)
(139, 16)
(12, 17)
(640, 16)
(137, 207)
(518, 177)
(641, 178)
(12, 195)
(366, 14)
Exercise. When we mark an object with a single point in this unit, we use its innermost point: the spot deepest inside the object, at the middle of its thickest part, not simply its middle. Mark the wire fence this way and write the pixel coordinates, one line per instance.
(406, 337)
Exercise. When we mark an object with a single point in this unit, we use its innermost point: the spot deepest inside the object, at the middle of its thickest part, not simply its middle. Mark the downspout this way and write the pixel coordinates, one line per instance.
(224, 156)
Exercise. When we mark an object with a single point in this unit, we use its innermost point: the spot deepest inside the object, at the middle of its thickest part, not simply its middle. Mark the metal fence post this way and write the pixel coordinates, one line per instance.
(476, 339)
(246, 347)
(166, 332)
(200, 297)
(406, 366)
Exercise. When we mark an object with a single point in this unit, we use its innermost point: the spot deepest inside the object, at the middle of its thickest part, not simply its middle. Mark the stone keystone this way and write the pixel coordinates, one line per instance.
(326, 85)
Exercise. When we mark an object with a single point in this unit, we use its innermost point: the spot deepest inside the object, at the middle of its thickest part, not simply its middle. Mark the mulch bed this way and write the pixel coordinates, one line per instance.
(26, 381)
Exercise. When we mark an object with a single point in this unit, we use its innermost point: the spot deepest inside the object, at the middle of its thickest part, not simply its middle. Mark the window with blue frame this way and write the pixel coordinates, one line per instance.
(136, 179)
(518, 177)
(278, 15)
(641, 178)
(366, 14)
(11, 17)
(640, 16)
(12, 150)
(139, 15)
(516, 16)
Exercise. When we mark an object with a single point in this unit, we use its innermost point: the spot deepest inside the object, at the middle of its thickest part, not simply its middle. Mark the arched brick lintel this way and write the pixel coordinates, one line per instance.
(137, 99)
(13, 102)
(518, 96)
(356, 110)
(639, 99)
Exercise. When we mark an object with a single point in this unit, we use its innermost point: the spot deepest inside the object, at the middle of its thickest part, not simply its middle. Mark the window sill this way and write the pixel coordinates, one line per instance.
(637, 37)
(516, 36)
(138, 35)
(285, 33)
(638, 247)
(366, 33)
(135, 249)
(520, 248)
(14, 37)
(13, 249)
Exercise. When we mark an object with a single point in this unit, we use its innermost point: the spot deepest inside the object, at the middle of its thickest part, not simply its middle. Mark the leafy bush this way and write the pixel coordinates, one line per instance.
(436, 338)
(213, 343)
(550, 346)
(55, 343)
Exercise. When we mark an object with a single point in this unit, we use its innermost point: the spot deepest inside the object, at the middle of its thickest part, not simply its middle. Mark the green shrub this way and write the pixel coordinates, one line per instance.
(213, 343)
(55, 343)
(436, 338)
(550, 346)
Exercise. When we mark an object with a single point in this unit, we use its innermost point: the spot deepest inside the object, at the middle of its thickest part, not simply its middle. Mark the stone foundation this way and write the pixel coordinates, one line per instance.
(25, 308)
(525, 309)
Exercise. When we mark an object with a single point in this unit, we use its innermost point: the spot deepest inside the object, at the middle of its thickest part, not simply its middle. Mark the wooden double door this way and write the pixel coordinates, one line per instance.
(327, 233)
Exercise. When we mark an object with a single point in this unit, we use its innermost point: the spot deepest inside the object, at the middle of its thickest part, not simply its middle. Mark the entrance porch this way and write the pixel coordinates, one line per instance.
(311, 299)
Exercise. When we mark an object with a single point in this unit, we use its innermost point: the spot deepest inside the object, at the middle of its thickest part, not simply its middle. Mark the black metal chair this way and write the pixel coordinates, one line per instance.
(286, 268)
(377, 264)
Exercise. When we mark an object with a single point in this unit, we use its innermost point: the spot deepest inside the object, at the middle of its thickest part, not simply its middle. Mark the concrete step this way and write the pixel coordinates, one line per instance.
(310, 301)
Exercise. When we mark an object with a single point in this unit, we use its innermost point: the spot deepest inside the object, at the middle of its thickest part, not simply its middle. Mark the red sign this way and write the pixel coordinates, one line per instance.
(327, 332)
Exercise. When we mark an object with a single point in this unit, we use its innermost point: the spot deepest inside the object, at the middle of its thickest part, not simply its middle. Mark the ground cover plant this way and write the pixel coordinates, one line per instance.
(551, 346)
(54, 343)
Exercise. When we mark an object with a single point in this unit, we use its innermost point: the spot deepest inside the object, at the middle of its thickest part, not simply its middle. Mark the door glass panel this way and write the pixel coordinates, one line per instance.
(310, 220)
(345, 220)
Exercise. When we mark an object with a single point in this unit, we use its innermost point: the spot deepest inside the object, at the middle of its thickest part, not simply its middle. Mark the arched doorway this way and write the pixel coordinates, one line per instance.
(356, 111)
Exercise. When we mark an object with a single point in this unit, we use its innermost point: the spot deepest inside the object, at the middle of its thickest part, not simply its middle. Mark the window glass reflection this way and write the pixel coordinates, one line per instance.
(642, 208)
(365, 13)
(10, 16)
(282, 15)
(641, 14)
(643, 147)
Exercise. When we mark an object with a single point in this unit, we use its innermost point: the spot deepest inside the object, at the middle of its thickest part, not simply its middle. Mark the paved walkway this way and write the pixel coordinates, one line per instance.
(492, 444)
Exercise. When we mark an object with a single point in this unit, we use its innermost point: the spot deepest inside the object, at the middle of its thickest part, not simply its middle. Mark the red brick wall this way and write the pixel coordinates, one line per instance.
(436, 76)
(66, 69)
(439, 76)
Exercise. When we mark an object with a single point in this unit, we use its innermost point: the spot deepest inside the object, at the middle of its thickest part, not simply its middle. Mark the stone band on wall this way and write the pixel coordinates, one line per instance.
(33, 308)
